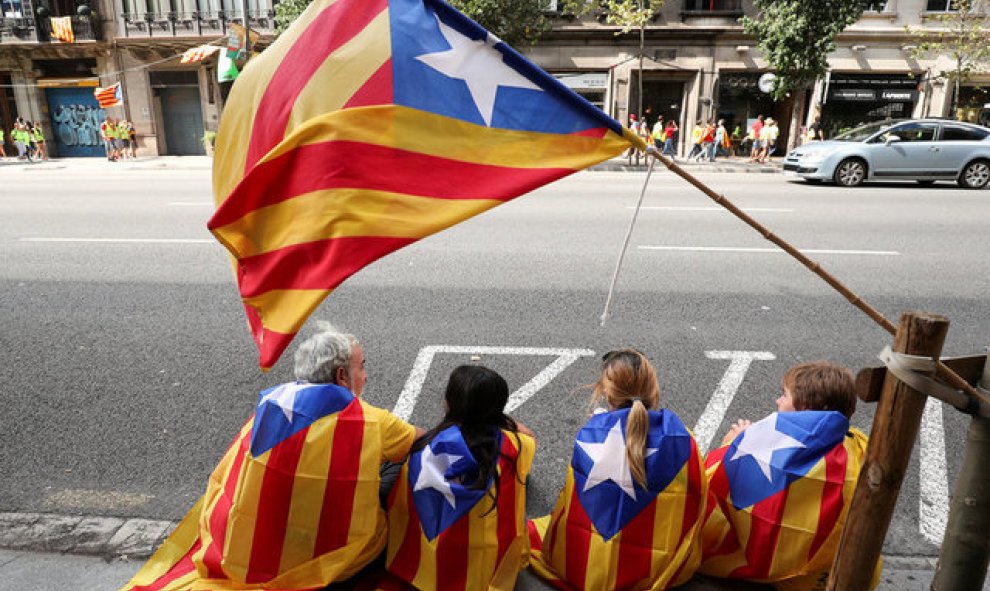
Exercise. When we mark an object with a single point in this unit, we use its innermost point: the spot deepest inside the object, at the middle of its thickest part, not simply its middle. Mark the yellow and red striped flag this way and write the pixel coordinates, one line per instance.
(368, 125)
(62, 29)
(110, 96)
(608, 532)
(198, 53)
(445, 536)
(779, 496)
(293, 504)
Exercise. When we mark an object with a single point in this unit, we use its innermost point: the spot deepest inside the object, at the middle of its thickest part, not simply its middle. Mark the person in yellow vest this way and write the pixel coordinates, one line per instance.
(3, 151)
(123, 137)
(38, 136)
(18, 135)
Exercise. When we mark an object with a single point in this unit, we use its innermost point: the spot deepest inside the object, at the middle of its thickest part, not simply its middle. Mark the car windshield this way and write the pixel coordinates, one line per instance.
(860, 134)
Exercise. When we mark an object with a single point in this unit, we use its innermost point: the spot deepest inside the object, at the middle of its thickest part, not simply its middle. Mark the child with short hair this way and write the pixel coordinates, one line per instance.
(781, 487)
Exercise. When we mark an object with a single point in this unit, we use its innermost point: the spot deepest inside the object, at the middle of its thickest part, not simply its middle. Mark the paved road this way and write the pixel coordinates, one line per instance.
(128, 366)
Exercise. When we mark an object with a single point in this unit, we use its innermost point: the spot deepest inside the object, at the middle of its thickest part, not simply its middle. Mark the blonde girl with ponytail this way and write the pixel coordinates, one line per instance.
(630, 513)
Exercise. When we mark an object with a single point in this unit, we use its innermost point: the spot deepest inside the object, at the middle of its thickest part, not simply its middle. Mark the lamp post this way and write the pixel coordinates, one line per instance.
(247, 27)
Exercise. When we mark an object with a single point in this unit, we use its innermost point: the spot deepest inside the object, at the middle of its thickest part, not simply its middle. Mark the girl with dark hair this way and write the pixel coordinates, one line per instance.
(630, 513)
(457, 514)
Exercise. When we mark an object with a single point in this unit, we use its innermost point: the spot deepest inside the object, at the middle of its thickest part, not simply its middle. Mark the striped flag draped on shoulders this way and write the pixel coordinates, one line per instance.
(446, 536)
(368, 125)
(779, 496)
(293, 504)
(608, 532)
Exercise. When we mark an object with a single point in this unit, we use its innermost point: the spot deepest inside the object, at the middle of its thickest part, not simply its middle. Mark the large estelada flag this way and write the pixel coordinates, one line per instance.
(608, 532)
(62, 29)
(778, 499)
(444, 535)
(293, 504)
(368, 125)
(198, 53)
(110, 96)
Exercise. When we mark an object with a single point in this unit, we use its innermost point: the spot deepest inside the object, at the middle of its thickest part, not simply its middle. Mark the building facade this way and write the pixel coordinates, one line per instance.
(697, 65)
(135, 42)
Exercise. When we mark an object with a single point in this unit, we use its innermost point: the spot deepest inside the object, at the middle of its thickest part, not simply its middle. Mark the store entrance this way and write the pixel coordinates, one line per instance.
(661, 98)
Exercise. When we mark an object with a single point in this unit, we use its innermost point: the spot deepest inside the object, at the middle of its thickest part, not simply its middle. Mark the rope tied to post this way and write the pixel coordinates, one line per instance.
(916, 372)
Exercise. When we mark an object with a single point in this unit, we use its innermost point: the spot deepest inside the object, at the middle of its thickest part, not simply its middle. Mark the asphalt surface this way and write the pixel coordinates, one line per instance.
(128, 366)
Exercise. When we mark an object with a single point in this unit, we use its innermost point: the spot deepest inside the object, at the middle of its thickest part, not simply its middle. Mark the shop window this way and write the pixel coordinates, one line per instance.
(875, 5)
(13, 9)
(941, 5)
(958, 133)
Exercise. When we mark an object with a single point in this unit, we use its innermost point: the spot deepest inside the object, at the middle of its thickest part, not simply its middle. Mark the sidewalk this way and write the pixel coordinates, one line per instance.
(618, 164)
(48, 552)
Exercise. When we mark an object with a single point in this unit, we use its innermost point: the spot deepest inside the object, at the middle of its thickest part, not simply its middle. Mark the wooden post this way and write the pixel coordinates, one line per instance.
(962, 561)
(895, 429)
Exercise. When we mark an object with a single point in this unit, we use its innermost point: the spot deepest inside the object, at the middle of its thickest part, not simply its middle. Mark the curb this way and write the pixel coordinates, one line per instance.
(109, 537)
(618, 167)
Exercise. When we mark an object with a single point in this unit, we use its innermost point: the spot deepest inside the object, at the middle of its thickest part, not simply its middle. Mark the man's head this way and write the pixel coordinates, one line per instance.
(332, 357)
(818, 385)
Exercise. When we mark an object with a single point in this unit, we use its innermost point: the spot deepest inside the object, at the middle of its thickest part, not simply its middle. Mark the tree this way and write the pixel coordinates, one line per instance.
(517, 22)
(796, 36)
(963, 36)
(629, 15)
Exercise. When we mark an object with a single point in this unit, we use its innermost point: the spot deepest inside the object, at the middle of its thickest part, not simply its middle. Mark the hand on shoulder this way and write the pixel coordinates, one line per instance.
(736, 428)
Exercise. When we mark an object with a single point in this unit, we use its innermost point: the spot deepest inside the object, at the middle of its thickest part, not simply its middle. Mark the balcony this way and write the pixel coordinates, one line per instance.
(193, 24)
(30, 30)
(711, 12)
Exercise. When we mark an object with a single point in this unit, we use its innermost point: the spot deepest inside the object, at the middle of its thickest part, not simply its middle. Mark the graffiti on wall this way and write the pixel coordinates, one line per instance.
(78, 125)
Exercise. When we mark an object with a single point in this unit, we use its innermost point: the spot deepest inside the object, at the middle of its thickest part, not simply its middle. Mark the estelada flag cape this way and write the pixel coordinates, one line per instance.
(293, 504)
(608, 532)
(444, 535)
(368, 125)
(778, 499)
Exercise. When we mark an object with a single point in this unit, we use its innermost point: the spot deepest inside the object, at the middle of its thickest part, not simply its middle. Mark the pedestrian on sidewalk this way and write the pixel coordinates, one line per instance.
(696, 134)
(3, 149)
(108, 133)
(635, 487)
(754, 132)
(294, 503)
(670, 139)
(132, 139)
(723, 145)
(21, 140)
(708, 142)
(461, 494)
(39, 141)
(782, 486)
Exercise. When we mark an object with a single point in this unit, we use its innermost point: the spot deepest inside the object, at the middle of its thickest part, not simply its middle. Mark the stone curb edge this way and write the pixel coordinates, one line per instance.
(132, 538)
(702, 167)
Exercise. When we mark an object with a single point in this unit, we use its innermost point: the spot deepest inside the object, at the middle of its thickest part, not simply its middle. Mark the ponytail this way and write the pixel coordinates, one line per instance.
(637, 425)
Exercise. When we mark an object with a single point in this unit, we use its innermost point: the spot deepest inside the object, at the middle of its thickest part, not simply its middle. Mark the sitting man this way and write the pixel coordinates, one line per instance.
(780, 488)
(293, 504)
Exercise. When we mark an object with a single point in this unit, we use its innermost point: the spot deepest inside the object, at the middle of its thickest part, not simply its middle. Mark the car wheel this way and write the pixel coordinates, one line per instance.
(975, 175)
(850, 172)
(926, 183)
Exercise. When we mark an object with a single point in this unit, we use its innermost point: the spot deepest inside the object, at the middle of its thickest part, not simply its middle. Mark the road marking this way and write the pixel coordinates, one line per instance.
(933, 501)
(123, 240)
(417, 377)
(887, 253)
(713, 415)
(719, 209)
(191, 203)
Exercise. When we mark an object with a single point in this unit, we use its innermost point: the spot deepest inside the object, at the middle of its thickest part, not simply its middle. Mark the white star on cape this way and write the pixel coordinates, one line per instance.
(610, 461)
(431, 470)
(479, 65)
(284, 397)
(760, 440)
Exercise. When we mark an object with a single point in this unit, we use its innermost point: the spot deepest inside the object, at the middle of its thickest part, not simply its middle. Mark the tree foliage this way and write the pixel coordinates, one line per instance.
(630, 14)
(962, 34)
(796, 37)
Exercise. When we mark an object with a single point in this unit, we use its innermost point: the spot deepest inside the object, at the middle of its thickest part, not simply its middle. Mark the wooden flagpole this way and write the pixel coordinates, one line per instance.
(941, 370)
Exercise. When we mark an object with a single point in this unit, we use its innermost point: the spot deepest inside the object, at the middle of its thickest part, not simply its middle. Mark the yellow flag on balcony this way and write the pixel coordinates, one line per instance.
(62, 29)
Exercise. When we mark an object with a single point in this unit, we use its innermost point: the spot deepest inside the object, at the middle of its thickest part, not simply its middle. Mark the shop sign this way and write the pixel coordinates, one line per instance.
(68, 82)
(584, 80)
(899, 95)
(854, 94)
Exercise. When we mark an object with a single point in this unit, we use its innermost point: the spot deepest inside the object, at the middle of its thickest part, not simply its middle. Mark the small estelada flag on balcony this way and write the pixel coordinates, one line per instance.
(198, 54)
(62, 29)
(109, 96)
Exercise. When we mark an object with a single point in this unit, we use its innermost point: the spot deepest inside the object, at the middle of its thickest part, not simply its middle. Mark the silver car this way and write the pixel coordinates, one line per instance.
(923, 150)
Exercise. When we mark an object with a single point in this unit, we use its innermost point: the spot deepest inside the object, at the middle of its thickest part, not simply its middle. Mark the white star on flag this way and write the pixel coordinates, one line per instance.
(760, 440)
(431, 470)
(284, 397)
(610, 461)
(479, 65)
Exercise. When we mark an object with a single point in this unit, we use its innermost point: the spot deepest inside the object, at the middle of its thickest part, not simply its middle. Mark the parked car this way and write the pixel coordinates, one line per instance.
(923, 150)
